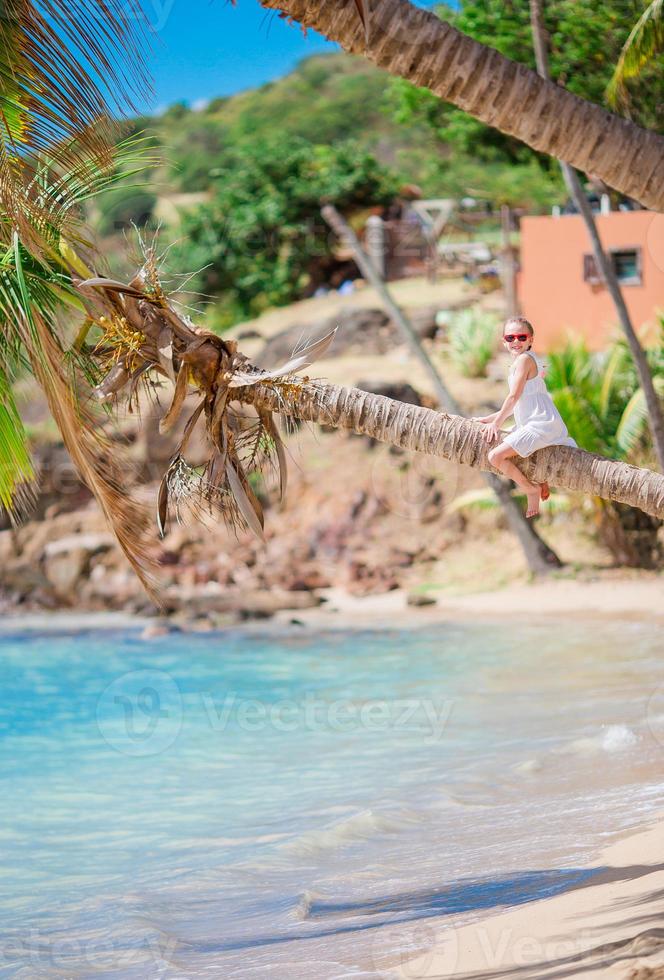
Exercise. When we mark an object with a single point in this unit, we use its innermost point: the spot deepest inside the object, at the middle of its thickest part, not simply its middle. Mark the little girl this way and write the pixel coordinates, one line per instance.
(538, 422)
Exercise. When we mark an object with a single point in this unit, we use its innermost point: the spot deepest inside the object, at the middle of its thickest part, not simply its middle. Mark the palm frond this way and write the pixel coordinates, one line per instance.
(612, 369)
(579, 417)
(569, 367)
(485, 499)
(646, 40)
(633, 422)
(67, 67)
(28, 309)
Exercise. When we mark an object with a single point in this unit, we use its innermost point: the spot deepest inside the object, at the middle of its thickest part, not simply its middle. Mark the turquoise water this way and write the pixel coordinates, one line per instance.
(237, 805)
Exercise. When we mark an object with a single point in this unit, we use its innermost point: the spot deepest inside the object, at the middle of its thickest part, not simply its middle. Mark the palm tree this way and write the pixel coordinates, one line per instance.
(66, 67)
(417, 45)
(137, 333)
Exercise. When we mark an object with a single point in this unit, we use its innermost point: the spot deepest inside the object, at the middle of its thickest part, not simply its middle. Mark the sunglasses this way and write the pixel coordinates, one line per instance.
(511, 337)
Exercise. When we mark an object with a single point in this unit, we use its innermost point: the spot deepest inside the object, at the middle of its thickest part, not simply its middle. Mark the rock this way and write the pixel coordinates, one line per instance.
(64, 569)
(400, 390)
(420, 599)
(7, 547)
(246, 602)
(360, 330)
(368, 579)
(424, 321)
(90, 543)
(22, 581)
(155, 630)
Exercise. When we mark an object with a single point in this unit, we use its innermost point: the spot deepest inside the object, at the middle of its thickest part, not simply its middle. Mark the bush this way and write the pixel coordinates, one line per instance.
(472, 337)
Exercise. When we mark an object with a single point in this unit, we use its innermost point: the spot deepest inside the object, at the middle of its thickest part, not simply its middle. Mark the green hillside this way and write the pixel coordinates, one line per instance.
(325, 99)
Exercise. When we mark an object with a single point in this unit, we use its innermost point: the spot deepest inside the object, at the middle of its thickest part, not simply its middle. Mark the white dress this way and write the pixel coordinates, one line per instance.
(538, 421)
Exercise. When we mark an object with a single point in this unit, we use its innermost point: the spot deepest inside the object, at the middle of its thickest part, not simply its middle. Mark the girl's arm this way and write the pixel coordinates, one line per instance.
(485, 418)
(517, 384)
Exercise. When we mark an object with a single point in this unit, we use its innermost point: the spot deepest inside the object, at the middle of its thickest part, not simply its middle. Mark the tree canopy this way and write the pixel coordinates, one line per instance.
(260, 240)
(586, 38)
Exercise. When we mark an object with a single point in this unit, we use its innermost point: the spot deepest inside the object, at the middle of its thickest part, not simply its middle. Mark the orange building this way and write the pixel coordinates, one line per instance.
(558, 287)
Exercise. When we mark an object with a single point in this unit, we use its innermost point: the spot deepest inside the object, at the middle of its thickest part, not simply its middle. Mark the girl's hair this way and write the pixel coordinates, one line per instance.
(520, 321)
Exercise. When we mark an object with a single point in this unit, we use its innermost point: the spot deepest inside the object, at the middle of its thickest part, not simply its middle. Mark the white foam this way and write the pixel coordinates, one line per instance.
(618, 737)
(612, 738)
(361, 826)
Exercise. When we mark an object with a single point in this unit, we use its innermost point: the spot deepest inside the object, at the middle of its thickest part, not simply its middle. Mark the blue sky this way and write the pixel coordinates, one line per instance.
(205, 48)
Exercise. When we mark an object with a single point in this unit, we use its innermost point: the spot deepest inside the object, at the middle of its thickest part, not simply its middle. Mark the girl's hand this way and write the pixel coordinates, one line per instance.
(484, 419)
(492, 432)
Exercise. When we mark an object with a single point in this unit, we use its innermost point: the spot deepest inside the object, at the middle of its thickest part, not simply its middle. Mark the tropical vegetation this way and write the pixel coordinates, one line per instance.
(432, 54)
(471, 336)
(605, 410)
(259, 240)
(638, 57)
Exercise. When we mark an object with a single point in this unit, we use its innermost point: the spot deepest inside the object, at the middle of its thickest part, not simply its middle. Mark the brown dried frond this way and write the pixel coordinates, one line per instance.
(95, 458)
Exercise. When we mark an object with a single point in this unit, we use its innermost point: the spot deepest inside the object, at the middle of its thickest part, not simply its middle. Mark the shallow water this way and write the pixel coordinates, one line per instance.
(235, 805)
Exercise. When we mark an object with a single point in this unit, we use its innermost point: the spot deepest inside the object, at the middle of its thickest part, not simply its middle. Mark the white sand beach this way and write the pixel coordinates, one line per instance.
(610, 927)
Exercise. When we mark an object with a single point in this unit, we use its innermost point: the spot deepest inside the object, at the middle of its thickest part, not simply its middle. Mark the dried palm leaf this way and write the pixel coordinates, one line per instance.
(246, 500)
(273, 432)
(179, 395)
(241, 379)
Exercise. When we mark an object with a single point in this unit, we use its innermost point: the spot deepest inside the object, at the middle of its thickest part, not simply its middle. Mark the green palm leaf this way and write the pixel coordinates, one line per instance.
(579, 417)
(644, 42)
(633, 421)
(17, 472)
(613, 368)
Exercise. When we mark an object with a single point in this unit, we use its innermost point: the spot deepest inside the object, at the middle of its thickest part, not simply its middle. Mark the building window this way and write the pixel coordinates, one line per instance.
(590, 270)
(626, 265)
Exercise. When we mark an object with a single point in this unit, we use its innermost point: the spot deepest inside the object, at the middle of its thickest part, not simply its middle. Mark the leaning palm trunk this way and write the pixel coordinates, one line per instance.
(655, 413)
(452, 437)
(143, 336)
(415, 44)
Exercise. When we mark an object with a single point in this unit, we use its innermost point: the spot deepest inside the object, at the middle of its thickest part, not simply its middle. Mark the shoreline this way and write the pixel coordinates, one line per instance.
(620, 599)
(608, 926)
(615, 599)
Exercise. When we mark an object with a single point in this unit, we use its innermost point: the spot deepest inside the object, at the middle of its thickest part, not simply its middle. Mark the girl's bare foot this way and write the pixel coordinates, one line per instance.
(545, 493)
(533, 503)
